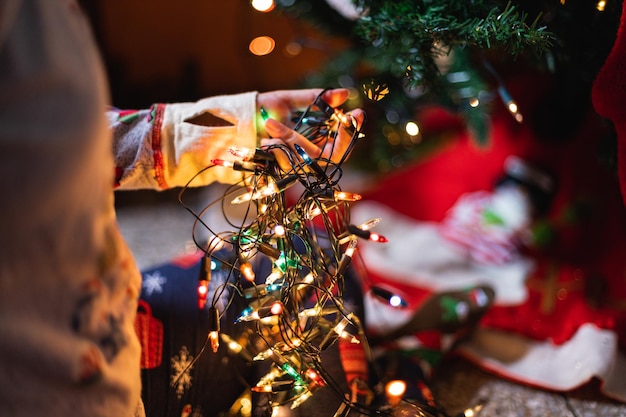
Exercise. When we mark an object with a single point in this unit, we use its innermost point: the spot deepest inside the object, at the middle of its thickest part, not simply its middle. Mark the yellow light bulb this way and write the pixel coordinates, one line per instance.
(247, 271)
(395, 390)
(262, 45)
(412, 128)
(214, 336)
(263, 5)
(512, 106)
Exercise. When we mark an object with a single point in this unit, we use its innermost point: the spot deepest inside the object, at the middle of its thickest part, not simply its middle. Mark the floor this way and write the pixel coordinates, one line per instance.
(157, 228)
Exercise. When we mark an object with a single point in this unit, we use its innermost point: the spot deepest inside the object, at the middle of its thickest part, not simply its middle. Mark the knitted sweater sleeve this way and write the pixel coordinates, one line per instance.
(168, 145)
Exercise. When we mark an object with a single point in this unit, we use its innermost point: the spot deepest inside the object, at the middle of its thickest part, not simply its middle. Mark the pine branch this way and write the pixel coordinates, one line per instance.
(412, 34)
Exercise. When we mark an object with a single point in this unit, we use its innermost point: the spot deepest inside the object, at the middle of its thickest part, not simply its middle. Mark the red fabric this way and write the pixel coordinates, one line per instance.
(150, 333)
(587, 215)
(556, 306)
(353, 360)
(609, 94)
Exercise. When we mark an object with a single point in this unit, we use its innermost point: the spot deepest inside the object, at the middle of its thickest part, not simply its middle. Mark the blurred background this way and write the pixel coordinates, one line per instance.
(441, 120)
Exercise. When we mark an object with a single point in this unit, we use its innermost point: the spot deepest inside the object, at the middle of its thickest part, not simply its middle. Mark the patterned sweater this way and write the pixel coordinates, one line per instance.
(68, 284)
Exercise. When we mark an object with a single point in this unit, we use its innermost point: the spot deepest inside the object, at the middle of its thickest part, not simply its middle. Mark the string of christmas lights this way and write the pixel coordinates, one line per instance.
(296, 311)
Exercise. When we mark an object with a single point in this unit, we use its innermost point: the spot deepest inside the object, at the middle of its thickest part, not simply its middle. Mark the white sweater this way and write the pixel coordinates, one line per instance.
(68, 284)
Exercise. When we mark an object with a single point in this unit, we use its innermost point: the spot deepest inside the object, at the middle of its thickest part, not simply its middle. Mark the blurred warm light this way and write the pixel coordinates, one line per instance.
(263, 5)
(474, 102)
(395, 390)
(279, 230)
(601, 5)
(293, 48)
(262, 45)
(395, 301)
(412, 128)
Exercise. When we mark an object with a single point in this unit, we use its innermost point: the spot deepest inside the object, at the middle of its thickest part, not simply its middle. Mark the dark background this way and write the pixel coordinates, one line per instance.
(165, 51)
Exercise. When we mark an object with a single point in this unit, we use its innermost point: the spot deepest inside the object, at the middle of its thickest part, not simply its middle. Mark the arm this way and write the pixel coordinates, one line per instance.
(166, 145)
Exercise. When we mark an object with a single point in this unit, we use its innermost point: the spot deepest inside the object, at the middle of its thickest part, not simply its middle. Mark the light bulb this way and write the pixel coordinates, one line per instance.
(247, 271)
(267, 191)
(369, 224)
(263, 5)
(247, 154)
(394, 391)
(214, 328)
(310, 161)
(412, 128)
(237, 165)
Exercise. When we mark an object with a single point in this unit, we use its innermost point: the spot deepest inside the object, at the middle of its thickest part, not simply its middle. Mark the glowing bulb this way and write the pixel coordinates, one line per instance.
(346, 258)
(261, 356)
(262, 45)
(276, 308)
(275, 386)
(600, 6)
(351, 248)
(215, 340)
(302, 398)
(279, 230)
(263, 5)
(395, 390)
(203, 290)
(375, 237)
(511, 105)
(343, 196)
(242, 152)
(412, 128)
(473, 411)
(395, 301)
(369, 224)
(474, 102)
(214, 329)
(234, 346)
(214, 244)
(247, 271)
(315, 378)
(307, 280)
(274, 276)
(237, 165)
(270, 189)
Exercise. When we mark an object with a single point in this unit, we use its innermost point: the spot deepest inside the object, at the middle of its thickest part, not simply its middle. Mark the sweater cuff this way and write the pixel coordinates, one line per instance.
(193, 134)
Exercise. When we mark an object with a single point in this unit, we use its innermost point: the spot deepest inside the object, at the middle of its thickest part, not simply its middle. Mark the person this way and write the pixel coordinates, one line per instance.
(68, 284)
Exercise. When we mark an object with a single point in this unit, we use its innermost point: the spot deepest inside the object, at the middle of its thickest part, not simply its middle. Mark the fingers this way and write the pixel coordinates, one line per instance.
(336, 97)
(295, 99)
(333, 150)
(358, 117)
(290, 137)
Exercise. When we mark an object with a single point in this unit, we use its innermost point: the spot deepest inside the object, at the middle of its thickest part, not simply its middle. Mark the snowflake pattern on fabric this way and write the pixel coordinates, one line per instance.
(153, 283)
(181, 371)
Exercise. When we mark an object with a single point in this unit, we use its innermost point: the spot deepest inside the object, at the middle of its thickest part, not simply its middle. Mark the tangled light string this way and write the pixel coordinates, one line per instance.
(297, 310)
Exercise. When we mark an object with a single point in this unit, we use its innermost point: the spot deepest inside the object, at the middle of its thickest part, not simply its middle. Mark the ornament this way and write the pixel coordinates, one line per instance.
(375, 91)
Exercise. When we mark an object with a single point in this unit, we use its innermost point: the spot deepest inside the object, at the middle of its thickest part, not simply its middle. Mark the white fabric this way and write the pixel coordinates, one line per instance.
(68, 284)
(417, 254)
(591, 352)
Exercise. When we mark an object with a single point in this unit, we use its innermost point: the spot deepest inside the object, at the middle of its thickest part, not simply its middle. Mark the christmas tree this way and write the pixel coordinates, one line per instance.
(408, 54)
